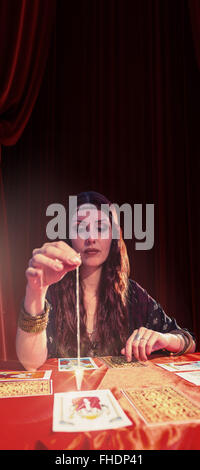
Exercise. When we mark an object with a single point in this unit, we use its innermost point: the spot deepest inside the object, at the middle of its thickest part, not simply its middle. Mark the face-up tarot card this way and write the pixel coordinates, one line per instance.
(25, 375)
(87, 411)
(71, 363)
(180, 366)
(192, 376)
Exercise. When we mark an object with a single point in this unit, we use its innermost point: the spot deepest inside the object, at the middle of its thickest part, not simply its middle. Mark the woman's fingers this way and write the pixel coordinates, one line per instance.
(40, 260)
(141, 344)
(55, 258)
(34, 277)
(131, 346)
(59, 251)
(151, 342)
(50, 263)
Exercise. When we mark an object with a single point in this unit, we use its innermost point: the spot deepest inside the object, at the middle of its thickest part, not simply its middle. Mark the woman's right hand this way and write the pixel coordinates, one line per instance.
(50, 263)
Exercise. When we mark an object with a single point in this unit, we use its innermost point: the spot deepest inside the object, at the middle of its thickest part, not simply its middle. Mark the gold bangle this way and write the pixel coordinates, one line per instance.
(34, 324)
(187, 342)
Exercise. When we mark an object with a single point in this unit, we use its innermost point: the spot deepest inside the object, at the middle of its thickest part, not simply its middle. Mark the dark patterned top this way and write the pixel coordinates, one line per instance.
(143, 311)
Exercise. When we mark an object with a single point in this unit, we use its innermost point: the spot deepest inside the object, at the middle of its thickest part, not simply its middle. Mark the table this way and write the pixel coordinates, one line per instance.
(26, 423)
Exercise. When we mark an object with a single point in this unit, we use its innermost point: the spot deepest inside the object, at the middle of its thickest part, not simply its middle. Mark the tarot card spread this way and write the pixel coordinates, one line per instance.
(162, 405)
(192, 376)
(120, 362)
(25, 375)
(25, 388)
(71, 363)
(180, 366)
(87, 411)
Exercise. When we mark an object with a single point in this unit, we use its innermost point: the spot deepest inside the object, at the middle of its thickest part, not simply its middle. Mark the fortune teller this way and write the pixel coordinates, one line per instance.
(117, 316)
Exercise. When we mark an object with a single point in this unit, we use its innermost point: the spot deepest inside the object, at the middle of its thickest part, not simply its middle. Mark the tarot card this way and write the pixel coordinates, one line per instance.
(87, 411)
(71, 363)
(192, 376)
(25, 375)
(120, 362)
(162, 405)
(180, 366)
(25, 388)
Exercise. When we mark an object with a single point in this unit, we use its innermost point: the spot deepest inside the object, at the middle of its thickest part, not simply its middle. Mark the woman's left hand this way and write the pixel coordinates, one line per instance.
(143, 342)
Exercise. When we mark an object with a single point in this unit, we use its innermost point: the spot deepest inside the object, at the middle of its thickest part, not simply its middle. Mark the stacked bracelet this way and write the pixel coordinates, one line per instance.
(187, 338)
(34, 324)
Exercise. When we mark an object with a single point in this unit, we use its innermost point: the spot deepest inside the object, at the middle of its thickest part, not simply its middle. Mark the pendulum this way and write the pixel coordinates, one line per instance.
(78, 370)
(78, 315)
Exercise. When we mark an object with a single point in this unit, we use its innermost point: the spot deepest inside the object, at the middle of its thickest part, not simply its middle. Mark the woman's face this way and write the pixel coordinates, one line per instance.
(91, 235)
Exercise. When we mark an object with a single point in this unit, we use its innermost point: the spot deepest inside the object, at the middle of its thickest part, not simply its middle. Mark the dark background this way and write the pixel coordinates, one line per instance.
(110, 102)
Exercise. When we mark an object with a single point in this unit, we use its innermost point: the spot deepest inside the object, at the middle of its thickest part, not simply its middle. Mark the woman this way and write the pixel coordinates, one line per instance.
(117, 315)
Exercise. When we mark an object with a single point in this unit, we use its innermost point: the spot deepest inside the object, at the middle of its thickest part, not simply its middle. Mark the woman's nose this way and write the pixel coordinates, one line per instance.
(90, 240)
(92, 234)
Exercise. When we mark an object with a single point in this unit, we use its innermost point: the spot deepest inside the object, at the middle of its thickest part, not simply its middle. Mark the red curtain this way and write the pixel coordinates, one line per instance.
(117, 112)
(25, 34)
(194, 7)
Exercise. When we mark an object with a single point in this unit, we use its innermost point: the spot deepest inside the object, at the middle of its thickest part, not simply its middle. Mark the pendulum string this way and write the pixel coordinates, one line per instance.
(78, 315)
(78, 370)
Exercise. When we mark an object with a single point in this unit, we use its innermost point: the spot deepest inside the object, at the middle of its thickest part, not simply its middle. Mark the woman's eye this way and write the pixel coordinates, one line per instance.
(74, 228)
(103, 228)
(81, 228)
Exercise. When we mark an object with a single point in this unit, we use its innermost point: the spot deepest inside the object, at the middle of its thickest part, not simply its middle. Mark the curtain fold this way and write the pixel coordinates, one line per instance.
(25, 36)
(7, 306)
(194, 8)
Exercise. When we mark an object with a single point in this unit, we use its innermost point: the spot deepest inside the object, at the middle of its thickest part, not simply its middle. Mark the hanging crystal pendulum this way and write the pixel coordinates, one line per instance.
(78, 370)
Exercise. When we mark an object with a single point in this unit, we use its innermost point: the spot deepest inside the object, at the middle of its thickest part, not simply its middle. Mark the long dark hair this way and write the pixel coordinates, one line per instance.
(112, 322)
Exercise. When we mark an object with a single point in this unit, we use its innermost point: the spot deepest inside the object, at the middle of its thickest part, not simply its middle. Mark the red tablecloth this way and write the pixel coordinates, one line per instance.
(26, 423)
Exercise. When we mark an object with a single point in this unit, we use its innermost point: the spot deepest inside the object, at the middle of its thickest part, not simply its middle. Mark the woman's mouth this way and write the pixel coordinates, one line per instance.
(91, 251)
